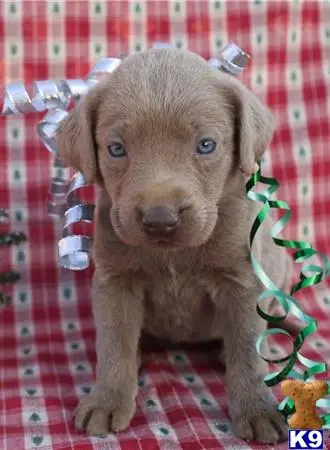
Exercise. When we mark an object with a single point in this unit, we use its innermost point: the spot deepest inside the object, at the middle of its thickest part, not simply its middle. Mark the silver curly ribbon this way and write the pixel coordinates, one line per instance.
(56, 97)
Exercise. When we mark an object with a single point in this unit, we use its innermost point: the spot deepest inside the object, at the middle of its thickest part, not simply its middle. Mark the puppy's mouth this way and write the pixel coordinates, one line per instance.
(132, 233)
(163, 243)
(160, 242)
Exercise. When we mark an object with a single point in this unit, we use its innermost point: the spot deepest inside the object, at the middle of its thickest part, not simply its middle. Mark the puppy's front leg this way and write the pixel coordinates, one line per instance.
(118, 312)
(251, 403)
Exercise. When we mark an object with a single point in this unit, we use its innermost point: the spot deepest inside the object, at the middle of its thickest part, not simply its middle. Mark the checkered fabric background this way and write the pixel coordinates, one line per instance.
(47, 337)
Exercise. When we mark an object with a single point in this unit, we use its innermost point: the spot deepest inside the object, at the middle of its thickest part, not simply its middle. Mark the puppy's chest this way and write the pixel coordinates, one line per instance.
(179, 306)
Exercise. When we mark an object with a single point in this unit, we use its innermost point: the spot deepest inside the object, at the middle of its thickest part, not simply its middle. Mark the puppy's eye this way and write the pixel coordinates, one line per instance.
(116, 150)
(206, 146)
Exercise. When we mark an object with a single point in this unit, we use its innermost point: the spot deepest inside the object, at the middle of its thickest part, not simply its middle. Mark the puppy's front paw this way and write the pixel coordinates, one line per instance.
(97, 415)
(264, 425)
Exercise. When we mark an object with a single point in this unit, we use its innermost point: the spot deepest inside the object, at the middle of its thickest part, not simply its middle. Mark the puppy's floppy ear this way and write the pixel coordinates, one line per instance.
(254, 126)
(76, 137)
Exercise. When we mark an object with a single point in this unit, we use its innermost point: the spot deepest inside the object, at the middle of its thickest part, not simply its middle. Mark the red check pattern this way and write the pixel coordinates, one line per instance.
(47, 337)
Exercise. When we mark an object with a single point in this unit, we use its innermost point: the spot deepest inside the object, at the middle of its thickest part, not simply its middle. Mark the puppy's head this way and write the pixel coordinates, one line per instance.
(164, 133)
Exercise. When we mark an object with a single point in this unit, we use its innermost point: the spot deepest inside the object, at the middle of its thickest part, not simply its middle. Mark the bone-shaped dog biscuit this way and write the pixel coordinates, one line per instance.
(305, 396)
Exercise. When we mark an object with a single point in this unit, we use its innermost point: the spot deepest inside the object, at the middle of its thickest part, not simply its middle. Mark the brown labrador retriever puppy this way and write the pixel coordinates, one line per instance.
(166, 138)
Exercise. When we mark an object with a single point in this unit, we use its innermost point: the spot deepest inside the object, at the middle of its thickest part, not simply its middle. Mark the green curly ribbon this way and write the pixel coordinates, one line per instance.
(287, 301)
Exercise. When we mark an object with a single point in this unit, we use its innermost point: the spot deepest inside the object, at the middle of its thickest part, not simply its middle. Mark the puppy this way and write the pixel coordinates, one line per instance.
(168, 139)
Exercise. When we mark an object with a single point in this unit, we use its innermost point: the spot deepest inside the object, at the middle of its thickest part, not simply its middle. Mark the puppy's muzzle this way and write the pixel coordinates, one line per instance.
(159, 221)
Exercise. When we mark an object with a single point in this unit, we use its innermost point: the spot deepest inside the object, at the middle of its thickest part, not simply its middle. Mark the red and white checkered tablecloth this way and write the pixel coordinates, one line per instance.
(47, 354)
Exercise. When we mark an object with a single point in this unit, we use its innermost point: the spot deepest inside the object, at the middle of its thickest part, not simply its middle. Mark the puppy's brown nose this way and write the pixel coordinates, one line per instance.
(159, 221)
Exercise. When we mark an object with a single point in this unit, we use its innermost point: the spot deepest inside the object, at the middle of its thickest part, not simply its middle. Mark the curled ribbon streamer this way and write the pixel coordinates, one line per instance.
(287, 301)
(75, 250)
(56, 97)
